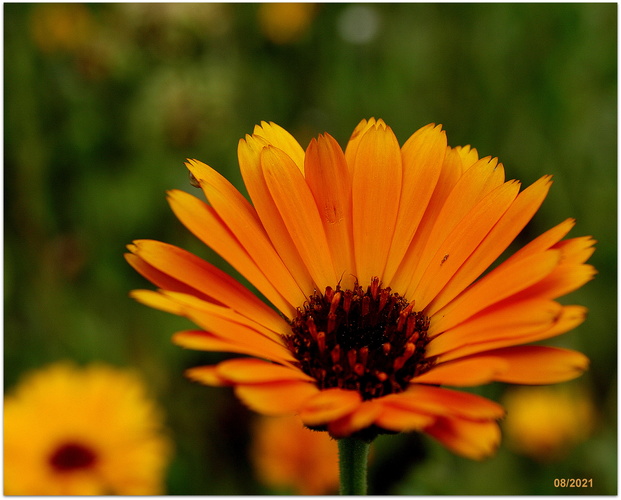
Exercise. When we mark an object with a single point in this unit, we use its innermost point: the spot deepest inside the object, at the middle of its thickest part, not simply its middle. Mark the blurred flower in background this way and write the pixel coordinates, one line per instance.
(290, 458)
(71, 30)
(62, 27)
(545, 423)
(83, 431)
(284, 23)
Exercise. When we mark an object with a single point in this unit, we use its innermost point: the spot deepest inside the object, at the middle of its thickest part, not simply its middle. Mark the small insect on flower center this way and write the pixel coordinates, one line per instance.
(72, 456)
(369, 341)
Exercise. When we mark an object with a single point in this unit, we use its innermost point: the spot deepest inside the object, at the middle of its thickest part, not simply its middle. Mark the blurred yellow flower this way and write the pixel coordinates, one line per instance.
(284, 452)
(544, 423)
(61, 27)
(284, 23)
(83, 431)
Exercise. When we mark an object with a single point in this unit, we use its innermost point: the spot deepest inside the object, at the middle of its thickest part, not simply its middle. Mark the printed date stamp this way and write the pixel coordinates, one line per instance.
(573, 483)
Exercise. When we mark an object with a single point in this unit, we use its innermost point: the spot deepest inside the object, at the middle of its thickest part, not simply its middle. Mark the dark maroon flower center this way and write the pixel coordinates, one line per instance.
(371, 341)
(72, 456)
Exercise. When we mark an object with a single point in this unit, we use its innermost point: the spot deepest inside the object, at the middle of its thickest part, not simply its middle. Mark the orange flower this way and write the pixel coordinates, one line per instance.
(284, 451)
(370, 257)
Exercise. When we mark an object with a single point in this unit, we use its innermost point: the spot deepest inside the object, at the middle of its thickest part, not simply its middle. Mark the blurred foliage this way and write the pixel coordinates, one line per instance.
(103, 102)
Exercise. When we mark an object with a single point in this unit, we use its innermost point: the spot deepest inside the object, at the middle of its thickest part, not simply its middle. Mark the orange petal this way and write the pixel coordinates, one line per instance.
(226, 324)
(462, 241)
(469, 155)
(242, 220)
(208, 280)
(445, 402)
(570, 274)
(276, 398)
(400, 419)
(158, 278)
(362, 417)
(464, 372)
(256, 371)
(328, 178)
(539, 364)
(200, 340)
(328, 405)
(202, 220)
(568, 318)
(207, 312)
(507, 319)
(422, 156)
(451, 171)
(376, 188)
(475, 183)
(156, 300)
(504, 281)
(575, 250)
(563, 280)
(473, 439)
(544, 241)
(249, 155)
(354, 141)
(298, 210)
(283, 140)
(207, 375)
(497, 240)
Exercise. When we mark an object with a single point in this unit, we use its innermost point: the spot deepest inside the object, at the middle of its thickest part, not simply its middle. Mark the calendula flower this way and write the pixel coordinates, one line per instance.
(283, 22)
(544, 423)
(374, 261)
(283, 452)
(83, 431)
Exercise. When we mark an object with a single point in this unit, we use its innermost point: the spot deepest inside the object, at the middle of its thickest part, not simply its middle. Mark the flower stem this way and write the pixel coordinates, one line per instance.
(353, 454)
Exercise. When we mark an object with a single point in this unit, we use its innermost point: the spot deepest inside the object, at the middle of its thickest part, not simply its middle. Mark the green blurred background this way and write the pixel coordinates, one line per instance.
(103, 103)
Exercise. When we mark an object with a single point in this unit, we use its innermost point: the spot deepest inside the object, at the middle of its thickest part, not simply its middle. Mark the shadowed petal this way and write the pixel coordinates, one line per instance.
(276, 398)
(256, 371)
(328, 405)
(447, 402)
(401, 419)
(473, 439)
(361, 418)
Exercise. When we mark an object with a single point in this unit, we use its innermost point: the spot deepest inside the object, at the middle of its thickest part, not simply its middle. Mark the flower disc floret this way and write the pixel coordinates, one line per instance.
(371, 341)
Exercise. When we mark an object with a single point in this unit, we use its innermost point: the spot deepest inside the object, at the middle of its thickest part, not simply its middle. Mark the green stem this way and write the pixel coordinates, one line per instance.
(353, 454)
